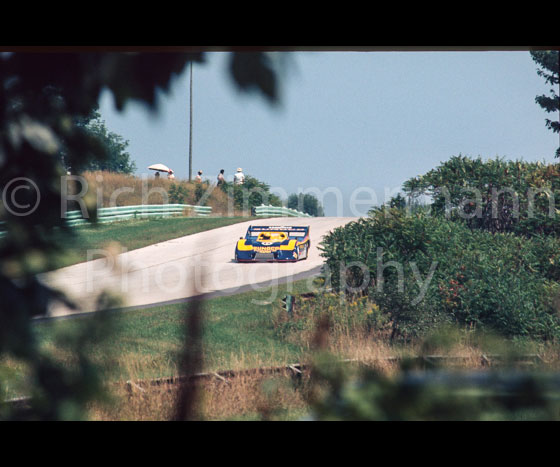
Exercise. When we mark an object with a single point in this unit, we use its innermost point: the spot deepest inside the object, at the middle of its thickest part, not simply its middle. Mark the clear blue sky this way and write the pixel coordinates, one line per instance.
(360, 123)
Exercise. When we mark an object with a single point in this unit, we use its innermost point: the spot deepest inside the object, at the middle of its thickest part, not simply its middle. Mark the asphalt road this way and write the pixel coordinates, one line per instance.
(179, 269)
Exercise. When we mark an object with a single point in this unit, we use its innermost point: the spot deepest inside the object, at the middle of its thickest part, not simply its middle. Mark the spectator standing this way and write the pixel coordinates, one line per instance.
(238, 177)
(198, 177)
(221, 179)
(170, 175)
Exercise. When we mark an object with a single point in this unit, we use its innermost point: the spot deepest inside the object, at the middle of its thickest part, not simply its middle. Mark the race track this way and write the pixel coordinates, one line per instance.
(185, 267)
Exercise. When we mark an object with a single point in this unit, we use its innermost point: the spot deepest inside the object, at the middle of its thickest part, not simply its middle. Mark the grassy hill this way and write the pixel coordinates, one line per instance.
(108, 189)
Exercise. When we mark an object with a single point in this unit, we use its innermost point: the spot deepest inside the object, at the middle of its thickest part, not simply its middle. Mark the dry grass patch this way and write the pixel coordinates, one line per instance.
(108, 189)
(251, 397)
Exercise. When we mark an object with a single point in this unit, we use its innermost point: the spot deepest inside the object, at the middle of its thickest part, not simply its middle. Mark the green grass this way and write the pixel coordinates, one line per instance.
(238, 333)
(135, 234)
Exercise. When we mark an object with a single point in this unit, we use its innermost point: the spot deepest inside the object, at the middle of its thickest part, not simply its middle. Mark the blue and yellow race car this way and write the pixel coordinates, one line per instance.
(273, 243)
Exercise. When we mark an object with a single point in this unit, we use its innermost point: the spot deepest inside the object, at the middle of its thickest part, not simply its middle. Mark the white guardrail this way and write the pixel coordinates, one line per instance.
(278, 211)
(139, 212)
(120, 213)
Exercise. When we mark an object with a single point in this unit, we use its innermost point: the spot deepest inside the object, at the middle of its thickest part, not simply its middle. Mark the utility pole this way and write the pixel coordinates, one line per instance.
(190, 133)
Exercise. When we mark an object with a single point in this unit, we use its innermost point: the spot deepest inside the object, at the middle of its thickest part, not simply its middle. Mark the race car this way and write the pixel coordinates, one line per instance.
(273, 243)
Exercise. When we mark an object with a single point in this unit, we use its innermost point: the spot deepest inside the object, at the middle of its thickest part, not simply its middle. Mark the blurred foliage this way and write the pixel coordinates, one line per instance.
(423, 388)
(61, 388)
(256, 71)
(43, 96)
(434, 395)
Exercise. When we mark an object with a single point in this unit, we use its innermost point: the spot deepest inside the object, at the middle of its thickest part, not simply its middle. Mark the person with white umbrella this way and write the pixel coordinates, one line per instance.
(162, 168)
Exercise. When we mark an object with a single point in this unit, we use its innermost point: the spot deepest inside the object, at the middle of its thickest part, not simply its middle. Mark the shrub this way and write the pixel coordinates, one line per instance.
(425, 271)
(356, 317)
(251, 194)
(177, 194)
(307, 203)
(495, 195)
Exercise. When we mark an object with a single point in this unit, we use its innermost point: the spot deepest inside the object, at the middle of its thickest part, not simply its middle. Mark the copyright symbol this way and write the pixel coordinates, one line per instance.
(21, 196)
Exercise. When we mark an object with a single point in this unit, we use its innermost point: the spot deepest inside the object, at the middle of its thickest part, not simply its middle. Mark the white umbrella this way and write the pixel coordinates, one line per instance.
(159, 168)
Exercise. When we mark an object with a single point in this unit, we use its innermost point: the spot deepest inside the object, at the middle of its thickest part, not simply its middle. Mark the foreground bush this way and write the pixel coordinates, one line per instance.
(434, 395)
(426, 271)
